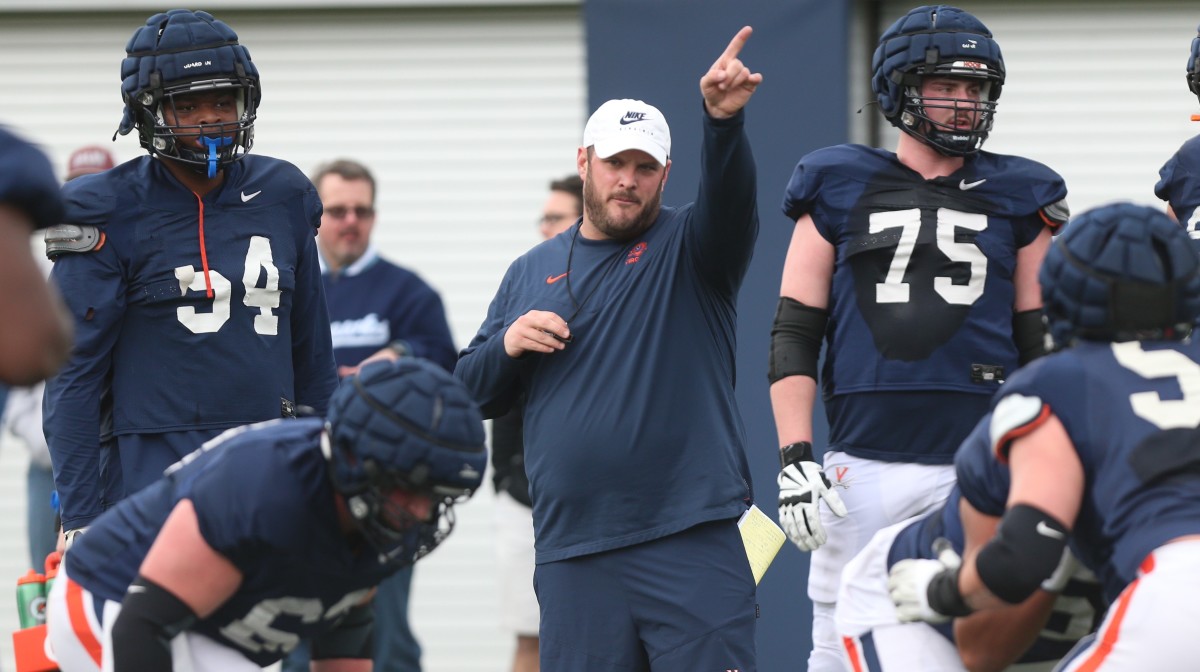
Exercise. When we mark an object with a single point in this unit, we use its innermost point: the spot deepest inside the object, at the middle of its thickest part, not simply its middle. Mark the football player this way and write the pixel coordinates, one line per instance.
(273, 533)
(37, 332)
(1101, 440)
(1179, 178)
(191, 274)
(918, 269)
(1034, 634)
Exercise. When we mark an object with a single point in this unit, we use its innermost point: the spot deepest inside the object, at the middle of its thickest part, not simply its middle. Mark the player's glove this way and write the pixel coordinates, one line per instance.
(927, 590)
(70, 536)
(802, 486)
(1068, 565)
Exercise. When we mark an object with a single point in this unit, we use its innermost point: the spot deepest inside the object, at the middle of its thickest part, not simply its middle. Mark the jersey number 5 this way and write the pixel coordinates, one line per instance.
(894, 289)
(1163, 413)
(264, 298)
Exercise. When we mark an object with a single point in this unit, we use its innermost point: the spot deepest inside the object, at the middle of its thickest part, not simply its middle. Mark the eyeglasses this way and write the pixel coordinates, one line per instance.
(550, 219)
(341, 211)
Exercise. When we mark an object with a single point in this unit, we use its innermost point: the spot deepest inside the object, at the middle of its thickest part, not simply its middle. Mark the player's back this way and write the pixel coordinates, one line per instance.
(264, 501)
(1131, 410)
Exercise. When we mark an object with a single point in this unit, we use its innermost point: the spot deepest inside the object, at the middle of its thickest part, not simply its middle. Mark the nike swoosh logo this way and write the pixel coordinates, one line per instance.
(551, 279)
(1047, 531)
(246, 197)
(964, 185)
(626, 122)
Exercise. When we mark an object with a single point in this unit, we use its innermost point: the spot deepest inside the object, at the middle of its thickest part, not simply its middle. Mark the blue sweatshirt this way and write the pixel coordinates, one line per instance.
(632, 432)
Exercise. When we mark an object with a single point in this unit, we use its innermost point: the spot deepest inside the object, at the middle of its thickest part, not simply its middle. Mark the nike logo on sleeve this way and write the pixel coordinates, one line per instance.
(551, 279)
(967, 186)
(247, 197)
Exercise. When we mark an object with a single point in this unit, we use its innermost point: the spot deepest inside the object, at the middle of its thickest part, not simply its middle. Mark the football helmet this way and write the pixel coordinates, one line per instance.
(937, 40)
(398, 429)
(1193, 66)
(185, 52)
(1121, 272)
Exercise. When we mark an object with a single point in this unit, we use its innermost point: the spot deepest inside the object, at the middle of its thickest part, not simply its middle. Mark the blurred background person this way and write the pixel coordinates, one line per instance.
(23, 413)
(36, 334)
(377, 311)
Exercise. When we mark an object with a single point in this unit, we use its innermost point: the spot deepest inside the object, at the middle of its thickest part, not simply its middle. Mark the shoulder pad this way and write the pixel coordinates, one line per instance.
(72, 239)
(1056, 214)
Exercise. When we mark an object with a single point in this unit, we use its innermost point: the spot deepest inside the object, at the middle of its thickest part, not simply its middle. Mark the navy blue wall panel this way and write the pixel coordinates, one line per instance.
(656, 50)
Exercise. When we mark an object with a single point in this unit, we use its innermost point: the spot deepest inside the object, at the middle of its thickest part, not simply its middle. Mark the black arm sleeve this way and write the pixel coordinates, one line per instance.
(150, 618)
(1029, 333)
(796, 339)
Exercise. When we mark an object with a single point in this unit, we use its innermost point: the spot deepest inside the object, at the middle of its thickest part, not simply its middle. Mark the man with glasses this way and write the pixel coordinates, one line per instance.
(377, 310)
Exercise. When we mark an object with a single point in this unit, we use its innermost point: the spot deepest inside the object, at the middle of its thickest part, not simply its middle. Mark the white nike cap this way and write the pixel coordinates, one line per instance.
(624, 124)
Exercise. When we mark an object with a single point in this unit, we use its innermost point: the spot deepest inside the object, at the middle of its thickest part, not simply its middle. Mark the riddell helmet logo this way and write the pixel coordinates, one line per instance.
(632, 118)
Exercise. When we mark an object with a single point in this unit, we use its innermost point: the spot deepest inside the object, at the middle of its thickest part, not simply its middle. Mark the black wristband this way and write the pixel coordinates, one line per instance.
(400, 347)
(944, 597)
(795, 453)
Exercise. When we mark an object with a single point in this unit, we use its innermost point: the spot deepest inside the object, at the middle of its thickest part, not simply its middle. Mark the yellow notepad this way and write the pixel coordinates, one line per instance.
(763, 539)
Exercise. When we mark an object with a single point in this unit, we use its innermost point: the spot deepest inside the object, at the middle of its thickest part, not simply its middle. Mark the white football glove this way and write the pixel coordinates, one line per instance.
(908, 585)
(802, 486)
(70, 536)
(1068, 565)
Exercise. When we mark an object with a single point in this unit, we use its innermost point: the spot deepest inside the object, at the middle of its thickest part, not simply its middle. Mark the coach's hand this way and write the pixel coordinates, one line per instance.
(536, 331)
(728, 84)
(802, 486)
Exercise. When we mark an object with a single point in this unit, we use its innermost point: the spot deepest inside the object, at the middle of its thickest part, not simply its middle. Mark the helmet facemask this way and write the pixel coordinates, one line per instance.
(386, 510)
(220, 143)
(917, 118)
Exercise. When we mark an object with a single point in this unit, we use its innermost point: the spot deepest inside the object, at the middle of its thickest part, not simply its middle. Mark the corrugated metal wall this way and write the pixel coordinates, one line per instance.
(1095, 90)
(465, 115)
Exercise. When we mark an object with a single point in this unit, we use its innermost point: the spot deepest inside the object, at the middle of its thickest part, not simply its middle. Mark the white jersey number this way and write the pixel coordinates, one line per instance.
(893, 289)
(264, 298)
(253, 632)
(1149, 406)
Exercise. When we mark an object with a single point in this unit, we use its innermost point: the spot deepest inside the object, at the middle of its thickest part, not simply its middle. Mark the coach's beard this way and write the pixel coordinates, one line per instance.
(613, 228)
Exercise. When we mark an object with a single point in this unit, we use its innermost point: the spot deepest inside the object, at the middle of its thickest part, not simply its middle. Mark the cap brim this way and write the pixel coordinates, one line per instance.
(612, 146)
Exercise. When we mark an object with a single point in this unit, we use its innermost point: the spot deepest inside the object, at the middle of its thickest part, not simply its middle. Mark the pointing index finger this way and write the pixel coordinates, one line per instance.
(736, 44)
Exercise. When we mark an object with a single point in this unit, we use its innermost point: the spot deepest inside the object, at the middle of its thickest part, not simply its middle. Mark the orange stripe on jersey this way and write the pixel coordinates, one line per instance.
(79, 623)
(1017, 432)
(1113, 631)
(852, 653)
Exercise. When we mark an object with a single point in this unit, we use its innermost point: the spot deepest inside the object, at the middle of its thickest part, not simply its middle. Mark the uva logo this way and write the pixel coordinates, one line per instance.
(635, 254)
(196, 64)
(632, 118)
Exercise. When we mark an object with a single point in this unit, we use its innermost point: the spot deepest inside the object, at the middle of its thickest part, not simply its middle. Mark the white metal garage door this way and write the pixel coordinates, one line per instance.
(1095, 90)
(465, 114)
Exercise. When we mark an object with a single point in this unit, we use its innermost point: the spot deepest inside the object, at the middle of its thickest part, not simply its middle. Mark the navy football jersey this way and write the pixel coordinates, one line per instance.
(922, 293)
(193, 315)
(1179, 185)
(984, 483)
(264, 501)
(1131, 410)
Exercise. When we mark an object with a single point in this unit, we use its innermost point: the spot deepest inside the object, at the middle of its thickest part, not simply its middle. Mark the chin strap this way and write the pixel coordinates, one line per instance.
(213, 144)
